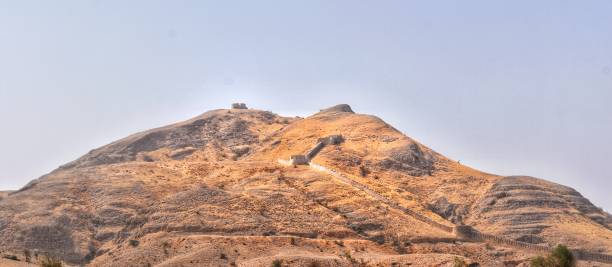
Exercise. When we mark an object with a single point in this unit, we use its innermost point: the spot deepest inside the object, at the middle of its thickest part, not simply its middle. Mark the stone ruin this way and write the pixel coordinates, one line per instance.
(332, 140)
(465, 232)
(239, 106)
(298, 160)
(322, 142)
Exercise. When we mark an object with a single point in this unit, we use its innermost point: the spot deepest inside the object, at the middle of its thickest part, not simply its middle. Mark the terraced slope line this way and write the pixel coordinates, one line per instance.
(464, 232)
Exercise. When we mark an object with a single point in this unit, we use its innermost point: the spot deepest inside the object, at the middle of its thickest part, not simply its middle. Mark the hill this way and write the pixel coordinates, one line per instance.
(216, 190)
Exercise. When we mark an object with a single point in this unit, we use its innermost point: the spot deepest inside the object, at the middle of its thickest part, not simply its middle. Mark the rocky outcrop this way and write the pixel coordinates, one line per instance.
(450, 211)
(341, 108)
(411, 159)
(523, 206)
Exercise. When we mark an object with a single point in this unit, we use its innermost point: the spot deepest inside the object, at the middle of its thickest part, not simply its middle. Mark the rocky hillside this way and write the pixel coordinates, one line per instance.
(4, 194)
(210, 191)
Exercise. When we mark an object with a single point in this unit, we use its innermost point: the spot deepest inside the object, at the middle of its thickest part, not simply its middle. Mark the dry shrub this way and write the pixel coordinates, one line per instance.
(50, 262)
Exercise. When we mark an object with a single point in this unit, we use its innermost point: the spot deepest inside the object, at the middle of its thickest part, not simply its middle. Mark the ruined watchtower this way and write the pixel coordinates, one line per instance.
(239, 106)
(332, 140)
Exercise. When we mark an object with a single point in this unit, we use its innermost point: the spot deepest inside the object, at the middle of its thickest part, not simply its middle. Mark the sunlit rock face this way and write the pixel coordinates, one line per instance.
(524, 207)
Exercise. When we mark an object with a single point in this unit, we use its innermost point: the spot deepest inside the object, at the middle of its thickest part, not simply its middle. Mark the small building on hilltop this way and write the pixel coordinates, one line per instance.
(239, 106)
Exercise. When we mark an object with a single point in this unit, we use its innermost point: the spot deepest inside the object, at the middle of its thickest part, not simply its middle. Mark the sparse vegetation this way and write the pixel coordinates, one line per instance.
(502, 195)
(27, 255)
(134, 243)
(459, 262)
(561, 256)
(398, 245)
(277, 263)
(165, 246)
(539, 262)
(363, 171)
(223, 256)
(349, 257)
(11, 257)
(379, 239)
(269, 233)
(48, 261)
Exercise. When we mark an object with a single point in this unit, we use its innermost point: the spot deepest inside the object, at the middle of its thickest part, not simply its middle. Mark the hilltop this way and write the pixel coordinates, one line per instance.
(214, 191)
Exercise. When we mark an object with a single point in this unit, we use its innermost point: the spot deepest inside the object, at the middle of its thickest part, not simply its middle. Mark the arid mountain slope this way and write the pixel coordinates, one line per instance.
(210, 192)
(4, 194)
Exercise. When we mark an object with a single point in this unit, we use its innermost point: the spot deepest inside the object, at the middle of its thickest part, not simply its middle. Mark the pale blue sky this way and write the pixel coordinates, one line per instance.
(512, 87)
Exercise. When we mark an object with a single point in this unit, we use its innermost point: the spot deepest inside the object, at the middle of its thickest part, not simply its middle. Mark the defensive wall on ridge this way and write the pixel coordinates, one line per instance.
(464, 232)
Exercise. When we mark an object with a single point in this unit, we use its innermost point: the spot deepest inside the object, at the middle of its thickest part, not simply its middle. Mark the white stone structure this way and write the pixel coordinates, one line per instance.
(298, 160)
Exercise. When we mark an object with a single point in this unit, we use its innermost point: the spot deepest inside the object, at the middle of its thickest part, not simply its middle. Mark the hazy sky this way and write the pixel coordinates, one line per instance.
(508, 87)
